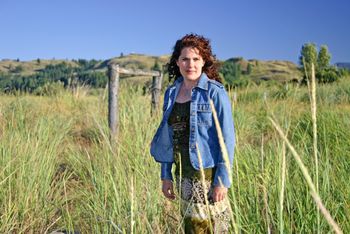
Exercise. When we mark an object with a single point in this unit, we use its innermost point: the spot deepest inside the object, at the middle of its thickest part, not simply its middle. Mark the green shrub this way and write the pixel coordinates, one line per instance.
(328, 75)
(282, 92)
(50, 89)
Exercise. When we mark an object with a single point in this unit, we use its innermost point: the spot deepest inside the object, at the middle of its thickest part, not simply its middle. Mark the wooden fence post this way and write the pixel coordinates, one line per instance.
(156, 87)
(113, 86)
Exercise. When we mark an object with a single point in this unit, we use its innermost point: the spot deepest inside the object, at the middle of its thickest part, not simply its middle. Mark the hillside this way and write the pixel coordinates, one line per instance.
(260, 70)
(132, 61)
(29, 67)
(139, 61)
(275, 70)
(343, 65)
(282, 71)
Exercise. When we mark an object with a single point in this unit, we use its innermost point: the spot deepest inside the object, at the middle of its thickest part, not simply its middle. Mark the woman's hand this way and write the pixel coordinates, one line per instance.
(219, 193)
(167, 189)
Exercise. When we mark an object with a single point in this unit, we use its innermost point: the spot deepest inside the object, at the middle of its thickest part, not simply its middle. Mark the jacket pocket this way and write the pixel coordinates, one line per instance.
(204, 115)
(204, 119)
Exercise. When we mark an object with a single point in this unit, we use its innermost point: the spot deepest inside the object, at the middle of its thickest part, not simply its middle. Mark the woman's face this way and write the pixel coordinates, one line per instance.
(190, 63)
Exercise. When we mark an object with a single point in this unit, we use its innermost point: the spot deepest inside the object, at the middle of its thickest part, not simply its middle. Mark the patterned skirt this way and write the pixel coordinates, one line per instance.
(200, 214)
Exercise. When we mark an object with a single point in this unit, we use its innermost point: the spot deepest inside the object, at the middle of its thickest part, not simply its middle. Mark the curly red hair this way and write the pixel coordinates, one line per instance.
(201, 43)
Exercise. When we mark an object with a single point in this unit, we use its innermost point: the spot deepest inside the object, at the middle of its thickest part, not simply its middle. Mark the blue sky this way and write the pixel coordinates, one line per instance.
(102, 29)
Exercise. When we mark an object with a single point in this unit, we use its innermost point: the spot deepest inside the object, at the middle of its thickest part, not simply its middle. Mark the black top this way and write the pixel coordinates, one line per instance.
(179, 120)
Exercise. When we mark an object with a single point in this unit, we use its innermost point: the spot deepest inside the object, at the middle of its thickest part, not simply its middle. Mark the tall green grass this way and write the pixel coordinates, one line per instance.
(58, 170)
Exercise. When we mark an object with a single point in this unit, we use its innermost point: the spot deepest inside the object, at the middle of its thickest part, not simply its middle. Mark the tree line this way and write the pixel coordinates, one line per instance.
(63, 75)
(51, 77)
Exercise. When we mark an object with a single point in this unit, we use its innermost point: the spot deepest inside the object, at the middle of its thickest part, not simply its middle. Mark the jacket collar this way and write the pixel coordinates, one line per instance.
(202, 83)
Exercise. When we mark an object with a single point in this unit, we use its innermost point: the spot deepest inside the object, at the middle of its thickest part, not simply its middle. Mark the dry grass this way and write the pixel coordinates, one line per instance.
(56, 149)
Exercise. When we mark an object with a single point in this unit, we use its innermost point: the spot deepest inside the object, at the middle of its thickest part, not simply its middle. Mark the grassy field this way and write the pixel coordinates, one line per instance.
(58, 170)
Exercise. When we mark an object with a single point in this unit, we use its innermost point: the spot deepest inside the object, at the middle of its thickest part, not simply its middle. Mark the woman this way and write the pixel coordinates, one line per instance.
(188, 138)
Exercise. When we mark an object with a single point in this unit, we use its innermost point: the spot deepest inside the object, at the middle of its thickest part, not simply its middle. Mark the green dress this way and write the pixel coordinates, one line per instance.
(200, 213)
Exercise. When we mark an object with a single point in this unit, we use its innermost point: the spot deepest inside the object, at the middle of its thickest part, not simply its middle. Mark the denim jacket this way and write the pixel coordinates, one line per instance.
(203, 133)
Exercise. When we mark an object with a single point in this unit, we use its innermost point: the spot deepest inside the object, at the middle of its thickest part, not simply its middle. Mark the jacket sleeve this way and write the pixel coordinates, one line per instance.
(165, 173)
(165, 168)
(224, 113)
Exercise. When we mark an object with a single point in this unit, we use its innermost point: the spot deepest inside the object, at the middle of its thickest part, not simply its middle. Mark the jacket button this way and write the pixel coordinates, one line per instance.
(193, 113)
(192, 129)
(193, 146)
